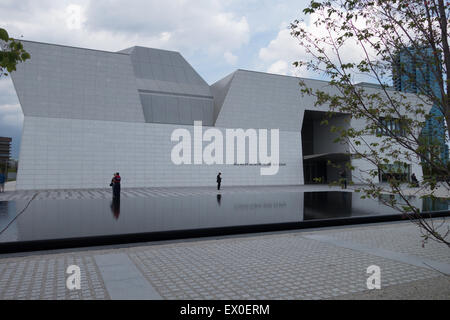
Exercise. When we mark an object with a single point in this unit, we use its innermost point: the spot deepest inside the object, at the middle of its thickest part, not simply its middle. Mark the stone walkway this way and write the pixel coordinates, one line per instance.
(10, 193)
(322, 264)
(155, 192)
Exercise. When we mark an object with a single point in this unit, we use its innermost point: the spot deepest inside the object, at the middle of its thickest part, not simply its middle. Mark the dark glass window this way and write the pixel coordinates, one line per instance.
(391, 127)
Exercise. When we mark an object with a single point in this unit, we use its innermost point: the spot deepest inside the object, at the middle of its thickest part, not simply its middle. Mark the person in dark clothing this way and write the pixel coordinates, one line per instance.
(343, 179)
(112, 180)
(2, 182)
(219, 180)
(414, 180)
(115, 183)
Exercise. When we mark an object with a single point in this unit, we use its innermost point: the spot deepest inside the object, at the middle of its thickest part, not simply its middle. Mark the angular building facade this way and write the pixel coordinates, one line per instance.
(89, 113)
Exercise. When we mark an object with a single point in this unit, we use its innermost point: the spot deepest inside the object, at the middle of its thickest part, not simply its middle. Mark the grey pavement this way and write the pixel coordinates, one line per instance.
(328, 263)
(105, 193)
(10, 186)
(429, 289)
(122, 278)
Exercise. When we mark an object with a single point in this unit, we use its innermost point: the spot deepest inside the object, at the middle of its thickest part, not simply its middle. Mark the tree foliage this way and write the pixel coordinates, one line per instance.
(11, 53)
(391, 126)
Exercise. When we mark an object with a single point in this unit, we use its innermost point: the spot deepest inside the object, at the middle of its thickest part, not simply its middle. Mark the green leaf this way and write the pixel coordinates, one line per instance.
(4, 35)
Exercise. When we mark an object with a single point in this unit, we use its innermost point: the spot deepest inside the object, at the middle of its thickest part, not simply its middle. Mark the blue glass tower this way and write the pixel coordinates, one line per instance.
(414, 73)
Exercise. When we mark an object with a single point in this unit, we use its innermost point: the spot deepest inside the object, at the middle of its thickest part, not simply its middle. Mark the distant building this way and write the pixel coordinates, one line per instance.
(13, 164)
(414, 73)
(5, 154)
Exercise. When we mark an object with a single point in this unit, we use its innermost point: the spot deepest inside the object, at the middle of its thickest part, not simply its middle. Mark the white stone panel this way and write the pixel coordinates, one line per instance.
(67, 82)
(70, 153)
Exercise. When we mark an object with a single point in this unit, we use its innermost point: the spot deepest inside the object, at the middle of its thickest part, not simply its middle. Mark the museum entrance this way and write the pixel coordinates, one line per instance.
(315, 171)
(323, 159)
(325, 168)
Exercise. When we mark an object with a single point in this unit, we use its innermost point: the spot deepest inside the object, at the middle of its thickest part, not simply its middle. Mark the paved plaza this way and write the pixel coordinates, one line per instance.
(310, 264)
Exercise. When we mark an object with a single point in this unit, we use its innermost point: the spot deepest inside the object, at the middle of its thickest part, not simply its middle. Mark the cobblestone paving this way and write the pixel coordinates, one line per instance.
(266, 266)
(44, 277)
(275, 267)
(152, 192)
(402, 238)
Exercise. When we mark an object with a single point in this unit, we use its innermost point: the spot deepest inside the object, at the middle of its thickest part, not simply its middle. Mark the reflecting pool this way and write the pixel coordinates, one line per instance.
(76, 219)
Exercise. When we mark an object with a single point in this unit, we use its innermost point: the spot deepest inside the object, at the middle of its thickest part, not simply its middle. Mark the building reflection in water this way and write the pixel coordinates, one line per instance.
(72, 218)
(4, 214)
(425, 204)
(438, 204)
(324, 205)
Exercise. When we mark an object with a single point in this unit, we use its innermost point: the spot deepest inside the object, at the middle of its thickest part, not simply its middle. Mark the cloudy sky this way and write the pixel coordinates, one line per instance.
(215, 36)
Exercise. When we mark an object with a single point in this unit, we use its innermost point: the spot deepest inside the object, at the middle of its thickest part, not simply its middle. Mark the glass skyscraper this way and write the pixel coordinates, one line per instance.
(413, 72)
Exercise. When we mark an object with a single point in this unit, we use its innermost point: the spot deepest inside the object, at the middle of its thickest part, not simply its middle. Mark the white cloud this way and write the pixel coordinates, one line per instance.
(279, 67)
(266, 15)
(230, 58)
(284, 49)
(8, 95)
(75, 17)
(185, 25)
(280, 53)
(11, 115)
(280, 46)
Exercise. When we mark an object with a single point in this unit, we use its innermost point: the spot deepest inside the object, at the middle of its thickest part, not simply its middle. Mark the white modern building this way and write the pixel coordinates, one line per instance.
(89, 113)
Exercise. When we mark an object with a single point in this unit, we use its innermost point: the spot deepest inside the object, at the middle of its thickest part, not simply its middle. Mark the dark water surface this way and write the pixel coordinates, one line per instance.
(68, 219)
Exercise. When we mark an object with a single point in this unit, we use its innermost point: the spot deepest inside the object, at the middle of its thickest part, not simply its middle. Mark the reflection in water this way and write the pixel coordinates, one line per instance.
(8, 212)
(3, 208)
(74, 218)
(4, 214)
(219, 198)
(398, 198)
(429, 204)
(323, 205)
(115, 207)
(426, 204)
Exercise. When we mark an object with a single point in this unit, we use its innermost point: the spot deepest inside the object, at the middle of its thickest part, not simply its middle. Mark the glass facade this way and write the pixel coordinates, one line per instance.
(414, 72)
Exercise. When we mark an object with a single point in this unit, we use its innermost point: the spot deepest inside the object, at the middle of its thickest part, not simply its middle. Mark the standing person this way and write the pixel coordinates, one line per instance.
(414, 180)
(2, 182)
(344, 179)
(219, 180)
(116, 185)
(112, 180)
